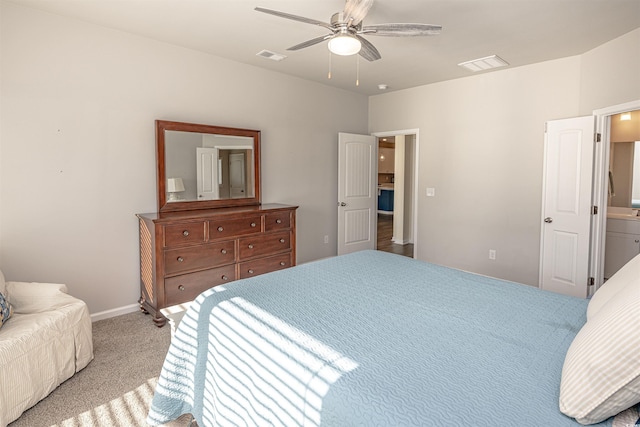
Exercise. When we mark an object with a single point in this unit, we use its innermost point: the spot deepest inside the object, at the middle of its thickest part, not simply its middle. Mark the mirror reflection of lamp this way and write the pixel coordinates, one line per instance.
(174, 186)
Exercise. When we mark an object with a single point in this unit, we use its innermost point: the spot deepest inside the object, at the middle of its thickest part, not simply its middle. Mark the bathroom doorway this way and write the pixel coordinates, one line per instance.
(622, 229)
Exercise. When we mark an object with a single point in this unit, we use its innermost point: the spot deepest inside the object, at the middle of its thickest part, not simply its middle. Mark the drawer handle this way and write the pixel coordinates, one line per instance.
(250, 271)
(224, 252)
(282, 240)
(224, 277)
(185, 233)
(278, 221)
(253, 224)
(220, 229)
(282, 263)
(250, 246)
(181, 287)
(180, 259)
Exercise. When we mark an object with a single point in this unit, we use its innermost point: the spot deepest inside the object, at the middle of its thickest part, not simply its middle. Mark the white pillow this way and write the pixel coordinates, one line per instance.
(629, 273)
(601, 372)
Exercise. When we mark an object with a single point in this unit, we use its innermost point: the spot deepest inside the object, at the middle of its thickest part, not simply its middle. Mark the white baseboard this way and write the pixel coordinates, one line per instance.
(401, 242)
(115, 312)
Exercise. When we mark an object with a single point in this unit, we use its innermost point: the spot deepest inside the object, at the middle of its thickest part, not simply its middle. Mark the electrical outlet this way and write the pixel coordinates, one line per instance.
(326, 239)
(492, 254)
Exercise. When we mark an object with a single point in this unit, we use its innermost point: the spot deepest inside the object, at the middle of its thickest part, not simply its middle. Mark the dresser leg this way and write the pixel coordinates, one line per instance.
(159, 321)
(142, 309)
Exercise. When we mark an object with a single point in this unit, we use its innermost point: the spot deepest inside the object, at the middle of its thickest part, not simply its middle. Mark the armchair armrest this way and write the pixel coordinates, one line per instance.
(35, 297)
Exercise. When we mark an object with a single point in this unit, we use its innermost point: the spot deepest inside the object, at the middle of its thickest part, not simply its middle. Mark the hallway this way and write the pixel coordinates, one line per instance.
(385, 233)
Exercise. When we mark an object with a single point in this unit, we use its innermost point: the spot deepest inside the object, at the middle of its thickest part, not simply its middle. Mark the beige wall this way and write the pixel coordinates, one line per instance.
(609, 73)
(481, 147)
(77, 147)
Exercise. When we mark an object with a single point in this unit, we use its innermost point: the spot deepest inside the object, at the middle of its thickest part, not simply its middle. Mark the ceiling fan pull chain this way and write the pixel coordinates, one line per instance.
(329, 75)
(357, 70)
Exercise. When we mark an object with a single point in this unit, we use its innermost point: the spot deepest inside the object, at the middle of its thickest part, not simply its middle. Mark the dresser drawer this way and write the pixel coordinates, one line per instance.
(277, 221)
(220, 229)
(184, 234)
(187, 287)
(197, 257)
(265, 265)
(267, 244)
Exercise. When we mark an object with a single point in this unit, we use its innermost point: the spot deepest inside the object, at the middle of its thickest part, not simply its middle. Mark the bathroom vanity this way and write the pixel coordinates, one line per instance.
(623, 238)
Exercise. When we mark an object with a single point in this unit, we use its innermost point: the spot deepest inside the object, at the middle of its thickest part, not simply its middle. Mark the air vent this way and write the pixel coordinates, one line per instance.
(486, 63)
(271, 55)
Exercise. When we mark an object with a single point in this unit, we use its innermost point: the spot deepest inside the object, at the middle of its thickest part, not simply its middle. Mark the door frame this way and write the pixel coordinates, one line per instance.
(600, 185)
(416, 165)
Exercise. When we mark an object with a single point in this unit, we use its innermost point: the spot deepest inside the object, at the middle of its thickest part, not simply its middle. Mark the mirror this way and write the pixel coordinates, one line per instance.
(204, 166)
(624, 160)
(624, 175)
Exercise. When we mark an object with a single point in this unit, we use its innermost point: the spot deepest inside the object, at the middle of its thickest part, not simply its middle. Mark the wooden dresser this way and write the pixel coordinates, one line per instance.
(184, 253)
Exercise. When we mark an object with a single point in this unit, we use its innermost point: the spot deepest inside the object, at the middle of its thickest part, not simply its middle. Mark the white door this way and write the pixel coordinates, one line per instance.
(237, 176)
(357, 195)
(207, 173)
(566, 206)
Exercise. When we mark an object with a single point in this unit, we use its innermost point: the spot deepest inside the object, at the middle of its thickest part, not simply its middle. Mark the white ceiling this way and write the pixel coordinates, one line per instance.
(520, 31)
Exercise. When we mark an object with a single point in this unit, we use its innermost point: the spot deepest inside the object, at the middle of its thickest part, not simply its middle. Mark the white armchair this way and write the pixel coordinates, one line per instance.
(45, 342)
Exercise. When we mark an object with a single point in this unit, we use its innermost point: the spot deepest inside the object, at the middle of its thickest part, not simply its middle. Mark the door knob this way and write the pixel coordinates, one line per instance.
(548, 220)
(342, 204)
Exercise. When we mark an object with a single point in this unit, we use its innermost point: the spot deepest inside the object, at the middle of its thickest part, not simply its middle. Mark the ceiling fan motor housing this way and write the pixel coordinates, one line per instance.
(338, 22)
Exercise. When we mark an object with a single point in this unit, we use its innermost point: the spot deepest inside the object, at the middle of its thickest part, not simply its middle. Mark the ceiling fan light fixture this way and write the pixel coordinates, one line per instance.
(344, 45)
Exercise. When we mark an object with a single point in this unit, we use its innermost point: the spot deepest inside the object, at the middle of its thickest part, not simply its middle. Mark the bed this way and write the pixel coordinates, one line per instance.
(372, 338)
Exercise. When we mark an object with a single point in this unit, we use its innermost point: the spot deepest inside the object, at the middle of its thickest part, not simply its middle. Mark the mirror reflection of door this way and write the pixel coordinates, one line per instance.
(237, 175)
(207, 173)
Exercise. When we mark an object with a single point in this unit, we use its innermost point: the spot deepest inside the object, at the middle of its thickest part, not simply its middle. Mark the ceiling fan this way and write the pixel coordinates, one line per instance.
(347, 30)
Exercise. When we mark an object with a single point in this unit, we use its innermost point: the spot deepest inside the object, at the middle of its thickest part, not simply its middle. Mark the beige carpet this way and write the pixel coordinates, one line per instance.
(116, 388)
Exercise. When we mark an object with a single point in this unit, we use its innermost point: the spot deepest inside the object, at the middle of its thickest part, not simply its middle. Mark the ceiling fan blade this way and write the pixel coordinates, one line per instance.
(356, 10)
(310, 42)
(401, 30)
(368, 51)
(295, 17)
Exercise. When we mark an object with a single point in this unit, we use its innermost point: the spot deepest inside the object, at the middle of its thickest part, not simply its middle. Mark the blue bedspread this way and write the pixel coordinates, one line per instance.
(370, 339)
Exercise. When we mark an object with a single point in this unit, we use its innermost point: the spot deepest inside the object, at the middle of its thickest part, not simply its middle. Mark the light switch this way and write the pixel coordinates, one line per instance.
(431, 192)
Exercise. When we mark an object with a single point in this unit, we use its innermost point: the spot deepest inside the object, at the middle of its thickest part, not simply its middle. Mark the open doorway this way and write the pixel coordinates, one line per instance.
(622, 229)
(607, 120)
(396, 183)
